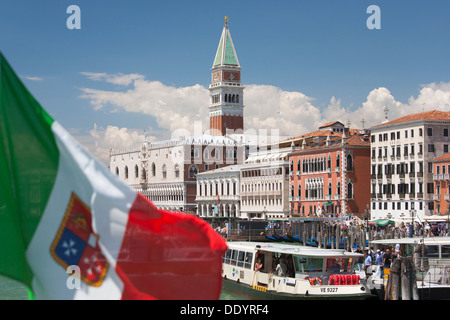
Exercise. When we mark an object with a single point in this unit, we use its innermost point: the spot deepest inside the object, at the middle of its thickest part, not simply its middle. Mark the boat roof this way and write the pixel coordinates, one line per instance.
(427, 241)
(290, 249)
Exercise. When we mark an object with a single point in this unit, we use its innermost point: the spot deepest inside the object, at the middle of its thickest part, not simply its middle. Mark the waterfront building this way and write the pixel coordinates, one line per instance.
(441, 178)
(402, 154)
(329, 172)
(218, 193)
(165, 171)
(264, 183)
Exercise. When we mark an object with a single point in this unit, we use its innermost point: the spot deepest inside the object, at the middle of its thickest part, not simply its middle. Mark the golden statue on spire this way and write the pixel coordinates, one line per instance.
(226, 21)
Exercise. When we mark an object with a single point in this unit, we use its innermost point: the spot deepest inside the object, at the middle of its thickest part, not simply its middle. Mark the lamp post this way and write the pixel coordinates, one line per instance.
(367, 213)
(412, 213)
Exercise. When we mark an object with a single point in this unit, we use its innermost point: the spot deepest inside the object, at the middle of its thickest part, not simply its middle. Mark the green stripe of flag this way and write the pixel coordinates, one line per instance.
(28, 166)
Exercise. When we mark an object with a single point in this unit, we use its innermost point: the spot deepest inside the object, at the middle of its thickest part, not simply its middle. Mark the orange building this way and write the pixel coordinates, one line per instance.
(441, 178)
(331, 174)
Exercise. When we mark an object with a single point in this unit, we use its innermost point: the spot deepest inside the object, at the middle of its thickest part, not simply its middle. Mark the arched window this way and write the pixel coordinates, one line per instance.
(136, 171)
(164, 171)
(299, 189)
(177, 171)
(153, 169)
(126, 172)
(193, 170)
(339, 188)
(338, 161)
(329, 188)
(350, 190)
(292, 191)
(117, 171)
(349, 162)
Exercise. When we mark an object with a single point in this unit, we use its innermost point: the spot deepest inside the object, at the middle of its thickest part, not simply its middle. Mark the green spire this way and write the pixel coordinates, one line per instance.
(226, 55)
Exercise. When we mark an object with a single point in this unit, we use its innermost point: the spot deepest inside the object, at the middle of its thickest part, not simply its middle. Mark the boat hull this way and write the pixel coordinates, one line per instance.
(261, 293)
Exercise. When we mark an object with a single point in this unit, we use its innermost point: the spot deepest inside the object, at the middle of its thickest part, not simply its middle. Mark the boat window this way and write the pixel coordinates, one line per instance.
(227, 256)
(445, 251)
(234, 255)
(338, 265)
(432, 251)
(240, 262)
(308, 264)
(248, 260)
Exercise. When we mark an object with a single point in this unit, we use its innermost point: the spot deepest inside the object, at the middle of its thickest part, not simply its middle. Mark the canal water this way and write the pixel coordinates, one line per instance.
(14, 290)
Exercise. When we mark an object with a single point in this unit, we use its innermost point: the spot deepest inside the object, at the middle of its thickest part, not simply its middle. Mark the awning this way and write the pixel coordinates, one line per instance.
(382, 222)
(328, 203)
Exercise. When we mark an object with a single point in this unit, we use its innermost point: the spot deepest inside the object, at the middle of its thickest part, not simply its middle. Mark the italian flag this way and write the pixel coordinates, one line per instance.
(70, 229)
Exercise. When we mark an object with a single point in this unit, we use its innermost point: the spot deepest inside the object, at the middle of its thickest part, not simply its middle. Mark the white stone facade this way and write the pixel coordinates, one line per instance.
(265, 185)
(165, 171)
(402, 156)
(218, 193)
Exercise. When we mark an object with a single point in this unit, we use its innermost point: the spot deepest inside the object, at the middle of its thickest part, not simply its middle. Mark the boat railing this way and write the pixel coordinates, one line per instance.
(433, 271)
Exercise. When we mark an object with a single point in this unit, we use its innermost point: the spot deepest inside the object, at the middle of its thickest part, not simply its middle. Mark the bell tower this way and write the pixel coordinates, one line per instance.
(226, 107)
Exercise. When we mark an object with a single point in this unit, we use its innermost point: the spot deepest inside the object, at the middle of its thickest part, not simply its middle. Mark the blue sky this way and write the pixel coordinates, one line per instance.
(321, 50)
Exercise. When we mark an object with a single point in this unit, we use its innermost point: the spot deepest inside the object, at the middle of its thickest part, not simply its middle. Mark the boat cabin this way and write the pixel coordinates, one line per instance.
(293, 261)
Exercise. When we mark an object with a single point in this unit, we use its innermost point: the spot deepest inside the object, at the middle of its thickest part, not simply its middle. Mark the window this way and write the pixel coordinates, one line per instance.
(153, 169)
(193, 170)
(372, 138)
(420, 132)
(445, 132)
(136, 171)
(431, 148)
(349, 162)
(412, 133)
(117, 171)
(446, 148)
(430, 132)
(398, 135)
(217, 154)
(350, 191)
(177, 171)
(406, 134)
(164, 171)
(194, 153)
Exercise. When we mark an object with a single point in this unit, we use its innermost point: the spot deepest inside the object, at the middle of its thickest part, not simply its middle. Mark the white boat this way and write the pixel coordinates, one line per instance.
(433, 280)
(309, 272)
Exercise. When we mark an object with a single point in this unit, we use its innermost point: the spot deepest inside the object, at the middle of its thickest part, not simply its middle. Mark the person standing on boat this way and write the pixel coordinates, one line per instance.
(281, 267)
(367, 263)
(379, 261)
(258, 265)
(387, 259)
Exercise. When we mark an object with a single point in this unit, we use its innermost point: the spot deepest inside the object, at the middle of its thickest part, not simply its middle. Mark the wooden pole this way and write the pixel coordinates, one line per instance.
(393, 286)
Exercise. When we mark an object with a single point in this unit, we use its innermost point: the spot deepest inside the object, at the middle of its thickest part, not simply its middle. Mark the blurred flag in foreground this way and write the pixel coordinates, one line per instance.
(70, 229)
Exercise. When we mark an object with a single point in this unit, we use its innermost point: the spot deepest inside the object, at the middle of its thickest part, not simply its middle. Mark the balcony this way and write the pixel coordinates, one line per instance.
(412, 174)
(420, 195)
(447, 197)
(435, 197)
(328, 197)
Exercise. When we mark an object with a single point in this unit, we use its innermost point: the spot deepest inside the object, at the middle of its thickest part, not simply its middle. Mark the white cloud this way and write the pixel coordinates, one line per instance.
(100, 141)
(266, 107)
(120, 79)
(33, 78)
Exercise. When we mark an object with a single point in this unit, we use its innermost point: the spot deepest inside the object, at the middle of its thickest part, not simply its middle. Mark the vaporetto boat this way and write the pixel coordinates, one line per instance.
(293, 272)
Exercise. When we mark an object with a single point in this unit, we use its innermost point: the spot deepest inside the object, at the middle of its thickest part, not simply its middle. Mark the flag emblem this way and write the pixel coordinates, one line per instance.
(76, 243)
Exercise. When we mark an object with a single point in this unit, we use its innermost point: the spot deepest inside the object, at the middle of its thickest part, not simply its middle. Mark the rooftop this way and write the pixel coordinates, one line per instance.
(428, 115)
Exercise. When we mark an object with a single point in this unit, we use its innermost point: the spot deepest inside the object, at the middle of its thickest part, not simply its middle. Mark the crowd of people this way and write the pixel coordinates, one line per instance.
(380, 259)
